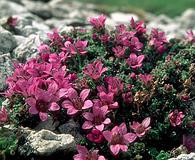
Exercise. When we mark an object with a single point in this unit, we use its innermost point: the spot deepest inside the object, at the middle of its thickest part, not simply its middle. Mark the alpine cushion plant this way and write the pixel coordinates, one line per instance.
(97, 118)
(176, 117)
(135, 61)
(119, 138)
(84, 154)
(141, 129)
(77, 103)
(128, 89)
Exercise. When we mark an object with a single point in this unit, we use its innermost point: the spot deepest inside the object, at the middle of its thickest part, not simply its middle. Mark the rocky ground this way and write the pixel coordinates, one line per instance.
(36, 18)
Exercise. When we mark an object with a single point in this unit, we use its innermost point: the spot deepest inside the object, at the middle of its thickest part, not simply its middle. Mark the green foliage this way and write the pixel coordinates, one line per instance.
(163, 155)
(8, 141)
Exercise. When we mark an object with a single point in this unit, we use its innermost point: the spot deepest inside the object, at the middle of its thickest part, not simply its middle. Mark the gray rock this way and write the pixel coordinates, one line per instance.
(55, 23)
(45, 142)
(19, 39)
(38, 8)
(27, 49)
(71, 127)
(50, 124)
(8, 8)
(6, 69)
(187, 19)
(60, 9)
(29, 25)
(7, 41)
(190, 156)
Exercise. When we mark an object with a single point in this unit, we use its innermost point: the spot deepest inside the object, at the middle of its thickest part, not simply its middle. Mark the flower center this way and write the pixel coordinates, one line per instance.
(91, 156)
(78, 103)
(117, 139)
(134, 62)
(140, 129)
(98, 119)
(42, 106)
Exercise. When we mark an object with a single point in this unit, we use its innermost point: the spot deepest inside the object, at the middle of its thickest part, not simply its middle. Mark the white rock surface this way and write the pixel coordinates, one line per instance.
(190, 156)
(28, 49)
(119, 17)
(45, 142)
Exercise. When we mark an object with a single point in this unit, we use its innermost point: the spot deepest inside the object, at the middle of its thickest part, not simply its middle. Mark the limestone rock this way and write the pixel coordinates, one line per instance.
(45, 143)
(187, 19)
(190, 156)
(27, 49)
(6, 69)
(119, 17)
(8, 8)
(7, 41)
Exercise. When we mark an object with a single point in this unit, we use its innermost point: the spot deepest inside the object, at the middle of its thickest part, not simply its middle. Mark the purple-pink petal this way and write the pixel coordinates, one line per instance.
(87, 104)
(33, 110)
(146, 122)
(130, 137)
(100, 127)
(71, 111)
(107, 135)
(67, 104)
(82, 149)
(87, 125)
(54, 106)
(88, 116)
(84, 94)
(43, 116)
(107, 121)
(115, 149)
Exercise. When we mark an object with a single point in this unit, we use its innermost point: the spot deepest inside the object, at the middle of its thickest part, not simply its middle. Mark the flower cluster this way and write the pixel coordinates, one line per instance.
(113, 83)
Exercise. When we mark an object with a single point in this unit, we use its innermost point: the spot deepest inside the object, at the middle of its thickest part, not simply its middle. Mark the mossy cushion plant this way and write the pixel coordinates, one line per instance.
(129, 89)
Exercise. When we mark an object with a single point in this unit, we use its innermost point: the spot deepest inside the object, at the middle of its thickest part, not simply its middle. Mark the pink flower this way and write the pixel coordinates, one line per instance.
(135, 45)
(84, 154)
(104, 38)
(189, 142)
(108, 99)
(141, 129)
(121, 28)
(115, 84)
(185, 97)
(138, 26)
(146, 78)
(119, 51)
(133, 76)
(135, 61)
(55, 38)
(98, 22)
(95, 69)
(95, 136)
(190, 36)
(97, 118)
(3, 114)
(12, 21)
(176, 117)
(118, 138)
(158, 40)
(69, 48)
(74, 48)
(44, 101)
(81, 46)
(127, 97)
(77, 103)
(44, 49)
